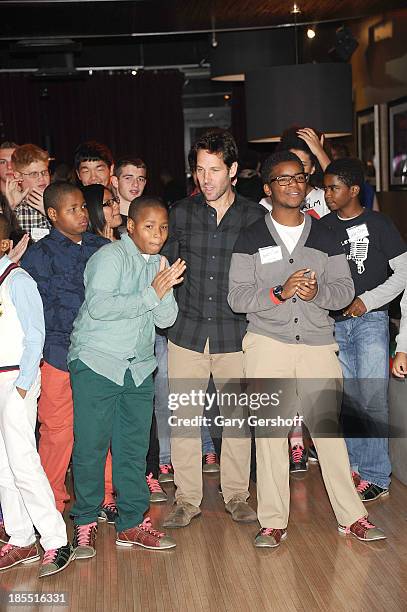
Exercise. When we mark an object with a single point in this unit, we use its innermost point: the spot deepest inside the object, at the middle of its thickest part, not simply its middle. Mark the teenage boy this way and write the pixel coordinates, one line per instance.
(287, 271)
(25, 191)
(6, 167)
(57, 263)
(93, 162)
(129, 180)
(26, 496)
(206, 338)
(372, 244)
(111, 359)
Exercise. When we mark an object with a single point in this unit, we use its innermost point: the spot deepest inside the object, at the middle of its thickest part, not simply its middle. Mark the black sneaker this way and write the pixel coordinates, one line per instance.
(108, 513)
(56, 560)
(298, 459)
(312, 454)
(369, 492)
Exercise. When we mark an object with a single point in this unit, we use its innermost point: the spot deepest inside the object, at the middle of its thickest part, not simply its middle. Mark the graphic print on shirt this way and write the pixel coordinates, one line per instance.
(359, 245)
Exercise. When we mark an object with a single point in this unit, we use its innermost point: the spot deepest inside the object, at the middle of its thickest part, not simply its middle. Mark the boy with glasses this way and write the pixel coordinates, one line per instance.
(287, 271)
(25, 191)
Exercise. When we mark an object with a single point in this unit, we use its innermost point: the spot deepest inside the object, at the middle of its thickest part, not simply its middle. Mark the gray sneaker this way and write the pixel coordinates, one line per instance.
(84, 540)
(240, 511)
(181, 515)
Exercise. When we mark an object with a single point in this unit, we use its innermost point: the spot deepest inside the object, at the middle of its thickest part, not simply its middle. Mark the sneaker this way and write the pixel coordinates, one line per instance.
(210, 463)
(108, 513)
(240, 510)
(4, 537)
(269, 538)
(11, 555)
(84, 540)
(312, 454)
(144, 535)
(56, 560)
(181, 515)
(156, 492)
(298, 459)
(363, 530)
(166, 473)
(356, 478)
(369, 491)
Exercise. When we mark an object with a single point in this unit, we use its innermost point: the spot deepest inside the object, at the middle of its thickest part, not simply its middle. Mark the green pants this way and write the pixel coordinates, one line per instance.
(106, 414)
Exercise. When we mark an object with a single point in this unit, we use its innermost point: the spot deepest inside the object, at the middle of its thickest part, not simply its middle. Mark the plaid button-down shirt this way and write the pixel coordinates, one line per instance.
(29, 218)
(207, 250)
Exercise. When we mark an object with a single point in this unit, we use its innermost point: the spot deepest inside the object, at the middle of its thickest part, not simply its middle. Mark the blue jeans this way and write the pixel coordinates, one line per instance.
(364, 357)
(161, 390)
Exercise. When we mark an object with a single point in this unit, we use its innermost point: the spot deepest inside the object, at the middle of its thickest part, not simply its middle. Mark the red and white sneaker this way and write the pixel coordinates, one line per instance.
(11, 555)
(156, 492)
(166, 473)
(210, 463)
(363, 530)
(146, 536)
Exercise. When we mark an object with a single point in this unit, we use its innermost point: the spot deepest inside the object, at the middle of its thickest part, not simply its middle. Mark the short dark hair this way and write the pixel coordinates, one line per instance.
(92, 151)
(8, 144)
(349, 170)
(291, 140)
(277, 158)
(128, 161)
(5, 228)
(218, 141)
(55, 191)
(139, 204)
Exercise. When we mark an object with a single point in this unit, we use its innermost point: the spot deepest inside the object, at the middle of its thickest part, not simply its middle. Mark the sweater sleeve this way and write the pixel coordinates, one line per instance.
(339, 290)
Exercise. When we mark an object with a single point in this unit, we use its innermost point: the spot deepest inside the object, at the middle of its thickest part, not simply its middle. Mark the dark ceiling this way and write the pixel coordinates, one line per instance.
(156, 33)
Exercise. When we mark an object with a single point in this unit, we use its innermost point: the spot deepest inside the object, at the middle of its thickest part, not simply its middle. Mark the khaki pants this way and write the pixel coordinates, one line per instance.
(191, 370)
(265, 358)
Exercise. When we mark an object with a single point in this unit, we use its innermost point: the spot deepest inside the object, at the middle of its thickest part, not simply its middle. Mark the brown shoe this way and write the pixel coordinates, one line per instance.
(269, 538)
(4, 537)
(181, 515)
(11, 555)
(144, 535)
(240, 511)
(363, 530)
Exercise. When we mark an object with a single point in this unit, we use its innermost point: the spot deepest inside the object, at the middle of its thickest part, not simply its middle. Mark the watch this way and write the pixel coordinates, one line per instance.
(277, 291)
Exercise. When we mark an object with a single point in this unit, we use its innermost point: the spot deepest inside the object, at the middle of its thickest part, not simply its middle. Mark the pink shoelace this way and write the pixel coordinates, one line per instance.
(364, 523)
(83, 532)
(49, 556)
(111, 506)
(362, 486)
(147, 526)
(153, 484)
(210, 458)
(6, 549)
(297, 453)
(166, 468)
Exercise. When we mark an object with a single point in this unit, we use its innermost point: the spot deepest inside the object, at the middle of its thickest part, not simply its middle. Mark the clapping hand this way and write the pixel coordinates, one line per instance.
(166, 278)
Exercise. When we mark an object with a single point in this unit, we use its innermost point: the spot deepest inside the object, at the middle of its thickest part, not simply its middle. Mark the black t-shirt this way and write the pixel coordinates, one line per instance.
(370, 241)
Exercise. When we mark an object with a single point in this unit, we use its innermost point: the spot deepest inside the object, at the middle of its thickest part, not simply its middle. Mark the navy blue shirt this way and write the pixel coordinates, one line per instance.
(57, 265)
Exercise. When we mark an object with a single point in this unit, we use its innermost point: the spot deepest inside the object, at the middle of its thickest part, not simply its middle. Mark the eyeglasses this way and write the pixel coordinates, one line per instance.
(36, 175)
(113, 200)
(286, 179)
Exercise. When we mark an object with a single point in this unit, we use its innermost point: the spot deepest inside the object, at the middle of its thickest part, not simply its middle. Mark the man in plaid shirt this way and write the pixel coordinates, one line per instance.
(207, 336)
(25, 191)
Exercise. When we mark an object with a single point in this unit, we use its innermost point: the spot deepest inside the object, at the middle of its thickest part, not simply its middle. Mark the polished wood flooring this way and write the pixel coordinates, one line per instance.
(215, 566)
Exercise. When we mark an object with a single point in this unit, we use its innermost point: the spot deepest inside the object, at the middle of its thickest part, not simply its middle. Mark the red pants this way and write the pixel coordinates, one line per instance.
(55, 414)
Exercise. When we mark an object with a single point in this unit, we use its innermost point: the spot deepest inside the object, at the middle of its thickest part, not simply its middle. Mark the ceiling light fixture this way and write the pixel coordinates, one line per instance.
(311, 33)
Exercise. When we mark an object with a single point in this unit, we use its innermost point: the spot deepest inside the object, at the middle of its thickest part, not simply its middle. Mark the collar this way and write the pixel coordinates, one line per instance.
(133, 251)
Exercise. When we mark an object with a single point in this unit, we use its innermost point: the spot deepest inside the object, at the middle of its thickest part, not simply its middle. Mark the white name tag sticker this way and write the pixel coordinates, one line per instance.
(270, 254)
(39, 232)
(357, 232)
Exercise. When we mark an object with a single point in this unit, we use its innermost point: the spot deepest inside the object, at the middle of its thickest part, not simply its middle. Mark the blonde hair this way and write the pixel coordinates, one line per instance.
(26, 154)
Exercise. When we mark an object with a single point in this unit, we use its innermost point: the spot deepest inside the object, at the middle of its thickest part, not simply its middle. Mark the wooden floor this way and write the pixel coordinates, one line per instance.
(216, 567)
